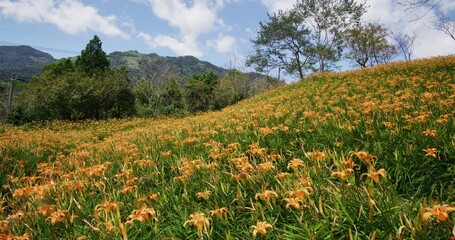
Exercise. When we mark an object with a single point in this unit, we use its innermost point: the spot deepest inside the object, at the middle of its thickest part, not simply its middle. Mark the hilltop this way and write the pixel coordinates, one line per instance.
(22, 61)
(26, 62)
(363, 154)
(146, 65)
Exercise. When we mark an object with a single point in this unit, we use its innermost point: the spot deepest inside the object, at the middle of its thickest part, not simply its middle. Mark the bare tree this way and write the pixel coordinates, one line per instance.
(412, 5)
(406, 43)
(445, 23)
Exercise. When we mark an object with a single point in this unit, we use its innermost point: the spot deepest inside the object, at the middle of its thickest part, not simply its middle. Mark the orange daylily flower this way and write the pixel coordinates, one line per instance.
(441, 212)
(261, 227)
(341, 174)
(57, 216)
(46, 210)
(316, 155)
(295, 164)
(349, 164)
(282, 175)
(266, 195)
(294, 202)
(430, 152)
(429, 132)
(200, 221)
(204, 194)
(219, 212)
(375, 175)
(301, 193)
(107, 207)
(141, 215)
(267, 166)
(365, 157)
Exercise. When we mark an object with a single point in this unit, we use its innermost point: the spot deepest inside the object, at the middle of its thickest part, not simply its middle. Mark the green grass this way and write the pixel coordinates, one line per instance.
(388, 114)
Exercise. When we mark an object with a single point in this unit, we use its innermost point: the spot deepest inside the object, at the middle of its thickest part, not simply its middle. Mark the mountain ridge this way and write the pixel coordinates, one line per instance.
(24, 62)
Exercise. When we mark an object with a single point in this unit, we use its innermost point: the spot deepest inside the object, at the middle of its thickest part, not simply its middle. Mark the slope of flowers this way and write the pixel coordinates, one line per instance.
(367, 154)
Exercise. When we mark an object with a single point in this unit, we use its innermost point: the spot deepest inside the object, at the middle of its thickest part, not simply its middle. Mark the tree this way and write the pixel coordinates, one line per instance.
(199, 91)
(93, 59)
(406, 43)
(444, 22)
(172, 98)
(368, 44)
(72, 91)
(282, 42)
(328, 19)
(307, 37)
(412, 5)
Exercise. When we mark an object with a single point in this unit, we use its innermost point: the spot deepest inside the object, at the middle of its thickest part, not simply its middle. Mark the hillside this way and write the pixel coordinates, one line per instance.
(26, 62)
(364, 154)
(147, 65)
(22, 61)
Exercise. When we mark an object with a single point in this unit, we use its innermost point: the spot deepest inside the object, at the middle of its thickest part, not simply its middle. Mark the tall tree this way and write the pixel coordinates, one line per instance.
(93, 59)
(368, 44)
(199, 91)
(328, 19)
(309, 36)
(282, 42)
(406, 43)
(87, 89)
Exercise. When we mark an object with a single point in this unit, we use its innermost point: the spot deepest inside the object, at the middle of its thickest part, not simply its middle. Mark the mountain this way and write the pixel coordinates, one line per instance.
(25, 62)
(149, 65)
(22, 61)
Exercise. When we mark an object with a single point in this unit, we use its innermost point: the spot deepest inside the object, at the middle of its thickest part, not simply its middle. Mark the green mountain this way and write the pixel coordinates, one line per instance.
(22, 61)
(25, 62)
(149, 65)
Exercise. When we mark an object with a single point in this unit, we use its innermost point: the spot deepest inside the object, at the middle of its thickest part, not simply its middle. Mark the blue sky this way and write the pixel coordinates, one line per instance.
(218, 31)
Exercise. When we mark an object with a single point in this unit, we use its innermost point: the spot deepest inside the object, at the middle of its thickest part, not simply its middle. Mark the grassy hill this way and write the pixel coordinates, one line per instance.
(22, 61)
(366, 154)
(147, 65)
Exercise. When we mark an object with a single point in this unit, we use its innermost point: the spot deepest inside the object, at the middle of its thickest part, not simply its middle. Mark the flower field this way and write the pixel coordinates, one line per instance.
(366, 154)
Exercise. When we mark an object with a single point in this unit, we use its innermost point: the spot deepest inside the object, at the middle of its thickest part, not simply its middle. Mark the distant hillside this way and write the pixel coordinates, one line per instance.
(148, 65)
(25, 62)
(22, 61)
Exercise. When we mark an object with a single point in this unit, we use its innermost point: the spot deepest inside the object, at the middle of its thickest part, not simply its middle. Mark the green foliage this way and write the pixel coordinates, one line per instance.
(199, 91)
(329, 19)
(93, 59)
(197, 95)
(73, 91)
(320, 143)
(172, 99)
(283, 42)
(145, 66)
(22, 61)
(233, 87)
(368, 45)
(306, 37)
(159, 96)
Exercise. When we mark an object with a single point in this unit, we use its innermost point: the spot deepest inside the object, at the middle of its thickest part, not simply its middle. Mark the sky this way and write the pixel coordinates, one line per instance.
(218, 31)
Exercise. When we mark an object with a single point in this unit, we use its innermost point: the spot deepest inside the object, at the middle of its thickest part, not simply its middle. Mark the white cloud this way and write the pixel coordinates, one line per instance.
(430, 42)
(224, 43)
(70, 16)
(179, 47)
(190, 19)
(447, 6)
(275, 5)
